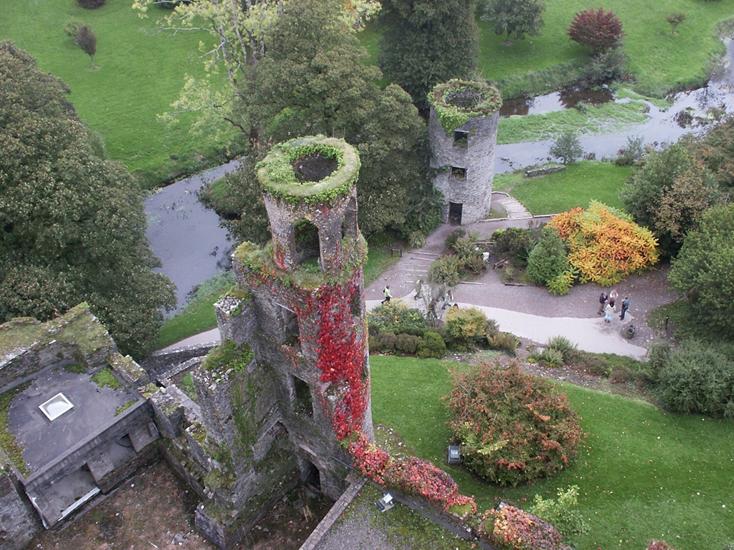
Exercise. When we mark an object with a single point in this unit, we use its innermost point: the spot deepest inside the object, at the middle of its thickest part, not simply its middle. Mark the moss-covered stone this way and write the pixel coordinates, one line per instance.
(226, 356)
(9, 444)
(105, 378)
(458, 101)
(278, 178)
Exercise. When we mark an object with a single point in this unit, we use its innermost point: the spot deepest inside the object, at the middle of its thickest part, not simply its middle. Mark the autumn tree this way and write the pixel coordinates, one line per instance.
(514, 18)
(598, 29)
(428, 41)
(72, 226)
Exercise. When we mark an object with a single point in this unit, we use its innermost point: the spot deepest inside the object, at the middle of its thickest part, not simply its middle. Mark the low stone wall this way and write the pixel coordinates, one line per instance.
(158, 364)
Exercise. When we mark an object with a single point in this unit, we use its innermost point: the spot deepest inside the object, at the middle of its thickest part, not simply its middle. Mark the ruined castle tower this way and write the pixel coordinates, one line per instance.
(463, 133)
(290, 382)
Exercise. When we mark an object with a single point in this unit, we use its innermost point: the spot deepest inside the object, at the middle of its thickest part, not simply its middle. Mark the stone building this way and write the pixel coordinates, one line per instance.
(291, 377)
(73, 426)
(462, 131)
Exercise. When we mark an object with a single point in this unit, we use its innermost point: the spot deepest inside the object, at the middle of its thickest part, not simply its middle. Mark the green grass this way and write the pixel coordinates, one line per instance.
(642, 473)
(575, 186)
(139, 72)
(596, 119)
(9, 444)
(105, 378)
(198, 315)
(379, 259)
(76, 368)
(659, 60)
(188, 387)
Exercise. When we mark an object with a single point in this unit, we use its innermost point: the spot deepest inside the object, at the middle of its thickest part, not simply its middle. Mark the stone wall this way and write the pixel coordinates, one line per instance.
(474, 192)
(18, 521)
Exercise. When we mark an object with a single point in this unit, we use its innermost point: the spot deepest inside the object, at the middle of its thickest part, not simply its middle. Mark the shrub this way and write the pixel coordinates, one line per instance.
(504, 341)
(416, 239)
(568, 349)
(605, 66)
(86, 40)
(466, 327)
(432, 345)
(658, 358)
(396, 318)
(548, 258)
(473, 264)
(454, 236)
(515, 18)
(513, 427)
(386, 341)
(375, 343)
(604, 246)
(407, 343)
(675, 19)
(561, 512)
(697, 379)
(465, 247)
(703, 270)
(631, 153)
(567, 148)
(659, 545)
(91, 4)
(515, 244)
(446, 270)
(561, 284)
(551, 357)
(598, 29)
(515, 529)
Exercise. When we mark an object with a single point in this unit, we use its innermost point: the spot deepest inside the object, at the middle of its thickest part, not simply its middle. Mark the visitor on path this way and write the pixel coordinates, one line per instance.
(613, 295)
(386, 293)
(625, 307)
(602, 303)
(608, 312)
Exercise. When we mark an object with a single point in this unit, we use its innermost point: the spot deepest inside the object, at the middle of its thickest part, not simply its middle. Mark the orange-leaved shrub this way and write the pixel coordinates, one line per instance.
(604, 244)
(512, 427)
(515, 529)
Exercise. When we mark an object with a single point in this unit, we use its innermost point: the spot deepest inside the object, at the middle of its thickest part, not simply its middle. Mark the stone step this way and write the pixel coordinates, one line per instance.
(143, 436)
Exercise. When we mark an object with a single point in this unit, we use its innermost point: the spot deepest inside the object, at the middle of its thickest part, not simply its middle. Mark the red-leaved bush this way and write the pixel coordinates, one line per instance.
(515, 529)
(598, 29)
(659, 545)
(512, 427)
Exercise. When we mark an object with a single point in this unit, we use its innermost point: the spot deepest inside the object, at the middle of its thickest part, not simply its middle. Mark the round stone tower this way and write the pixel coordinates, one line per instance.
(463, 133)
(309, 326)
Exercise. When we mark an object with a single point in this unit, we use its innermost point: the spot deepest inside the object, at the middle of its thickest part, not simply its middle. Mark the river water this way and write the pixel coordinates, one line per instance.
(192, 245)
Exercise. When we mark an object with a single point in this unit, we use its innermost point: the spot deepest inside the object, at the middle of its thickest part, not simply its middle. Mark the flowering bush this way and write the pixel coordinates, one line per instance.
(512, 427)
(515, 529)
(659, 545)
(605, 246)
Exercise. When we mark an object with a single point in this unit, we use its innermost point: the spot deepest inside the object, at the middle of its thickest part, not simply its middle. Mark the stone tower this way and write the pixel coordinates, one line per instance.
(463, 134)
(297, 322)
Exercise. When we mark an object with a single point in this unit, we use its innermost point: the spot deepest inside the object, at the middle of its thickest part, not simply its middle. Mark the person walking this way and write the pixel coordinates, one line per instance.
(386, 293)
(602, 303)
(608, 312)
(625, 307)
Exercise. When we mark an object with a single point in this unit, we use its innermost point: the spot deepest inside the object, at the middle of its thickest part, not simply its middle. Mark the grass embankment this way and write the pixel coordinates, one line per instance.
(642, 473)
(575, 186)
(198, 315)
(659, 60)
(138, 71)
(591, 119)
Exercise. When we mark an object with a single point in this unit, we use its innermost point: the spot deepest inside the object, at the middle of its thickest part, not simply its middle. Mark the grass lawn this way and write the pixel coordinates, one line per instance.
(139, 72)
(575, 186)
(642, 473)
(198, 315)
(659, 60)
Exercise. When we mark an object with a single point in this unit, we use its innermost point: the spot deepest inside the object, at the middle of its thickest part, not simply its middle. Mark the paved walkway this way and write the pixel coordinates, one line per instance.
(514, 208)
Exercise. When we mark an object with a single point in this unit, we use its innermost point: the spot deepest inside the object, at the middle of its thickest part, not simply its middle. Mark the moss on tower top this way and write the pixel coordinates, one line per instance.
(311, 170)
(458, 101)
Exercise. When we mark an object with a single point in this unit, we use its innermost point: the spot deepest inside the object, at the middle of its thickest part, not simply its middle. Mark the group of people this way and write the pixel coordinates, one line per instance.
(608, 305)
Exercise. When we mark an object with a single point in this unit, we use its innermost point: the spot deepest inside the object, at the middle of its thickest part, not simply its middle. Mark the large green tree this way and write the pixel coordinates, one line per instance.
(514, 18)
(427, 42)
(72, 226)
(703, 270)
(314, 79)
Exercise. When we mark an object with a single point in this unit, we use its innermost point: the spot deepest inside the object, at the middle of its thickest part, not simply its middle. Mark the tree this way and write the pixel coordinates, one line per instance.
(567, 147)
(73, 227)
(675, 19)
(669, 194)
(716, 150)
(87, 41)
(598, 29)
(703, 270)
(515, 18)
(547, 259)
(427, 42)
(314, 80)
